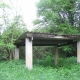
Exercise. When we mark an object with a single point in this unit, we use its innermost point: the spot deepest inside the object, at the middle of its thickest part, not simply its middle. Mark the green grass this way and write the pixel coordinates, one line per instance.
(67, 69)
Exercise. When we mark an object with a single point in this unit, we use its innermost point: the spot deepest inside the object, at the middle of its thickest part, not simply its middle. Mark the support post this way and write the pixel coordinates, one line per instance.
(16, 55)
(78, 51)
(28, 53)
(56, 55)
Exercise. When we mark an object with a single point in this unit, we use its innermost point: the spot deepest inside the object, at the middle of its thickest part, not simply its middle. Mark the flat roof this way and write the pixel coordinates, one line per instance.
(47, 39)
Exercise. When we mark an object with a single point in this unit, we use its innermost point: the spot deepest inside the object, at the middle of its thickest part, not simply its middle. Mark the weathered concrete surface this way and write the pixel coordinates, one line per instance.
(56, 55)
(16, 55)
(78, 51)
(28, 53)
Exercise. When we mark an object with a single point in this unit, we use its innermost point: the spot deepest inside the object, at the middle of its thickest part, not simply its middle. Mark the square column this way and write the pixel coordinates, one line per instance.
(16, 55)
(28, 53)
(56, 55)
(78, 51)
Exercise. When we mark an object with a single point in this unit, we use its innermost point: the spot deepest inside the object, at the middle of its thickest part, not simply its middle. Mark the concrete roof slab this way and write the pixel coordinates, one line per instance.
(46, 39)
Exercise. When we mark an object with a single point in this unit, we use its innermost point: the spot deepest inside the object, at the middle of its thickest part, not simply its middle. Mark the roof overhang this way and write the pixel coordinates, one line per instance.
(45, 39)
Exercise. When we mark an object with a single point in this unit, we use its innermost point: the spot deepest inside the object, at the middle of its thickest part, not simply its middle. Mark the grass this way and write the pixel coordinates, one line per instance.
(67, 69)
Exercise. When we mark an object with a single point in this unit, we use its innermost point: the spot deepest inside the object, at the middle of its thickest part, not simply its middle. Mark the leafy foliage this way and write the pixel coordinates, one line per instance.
(10, 34)
(58, 16)
(67, 69)
(10, 29)
(3, 5)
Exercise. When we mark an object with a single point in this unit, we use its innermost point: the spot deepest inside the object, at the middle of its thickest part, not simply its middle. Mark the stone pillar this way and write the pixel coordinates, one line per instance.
(28, 53)
(56, 55)
(16, 55)
(78, 51)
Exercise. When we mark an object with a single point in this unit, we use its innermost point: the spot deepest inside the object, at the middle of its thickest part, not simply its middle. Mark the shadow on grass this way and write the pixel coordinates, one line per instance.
(63, 62)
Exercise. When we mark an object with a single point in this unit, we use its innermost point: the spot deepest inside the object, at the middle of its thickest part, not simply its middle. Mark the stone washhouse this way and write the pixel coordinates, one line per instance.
(30, 39)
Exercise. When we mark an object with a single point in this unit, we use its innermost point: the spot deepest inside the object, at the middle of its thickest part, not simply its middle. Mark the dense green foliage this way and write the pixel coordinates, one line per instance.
(10, 30)
(9, 35)
(67, 69)
(59, 17)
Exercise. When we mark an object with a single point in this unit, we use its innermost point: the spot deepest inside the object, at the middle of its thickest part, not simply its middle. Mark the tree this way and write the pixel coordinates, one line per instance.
(10, 34)
(58, 15)
(3, 16)
(10, 31)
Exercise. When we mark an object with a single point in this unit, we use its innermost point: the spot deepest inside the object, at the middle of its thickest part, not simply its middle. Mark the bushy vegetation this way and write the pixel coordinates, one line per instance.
(67, 69)
(59, 17)
(10, 30)
(55, 16)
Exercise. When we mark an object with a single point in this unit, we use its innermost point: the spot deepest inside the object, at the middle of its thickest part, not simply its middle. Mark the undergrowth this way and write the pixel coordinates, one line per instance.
(67, 69)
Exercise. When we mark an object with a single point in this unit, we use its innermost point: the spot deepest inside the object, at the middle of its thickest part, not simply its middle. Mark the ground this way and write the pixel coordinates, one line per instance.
(67, 69)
